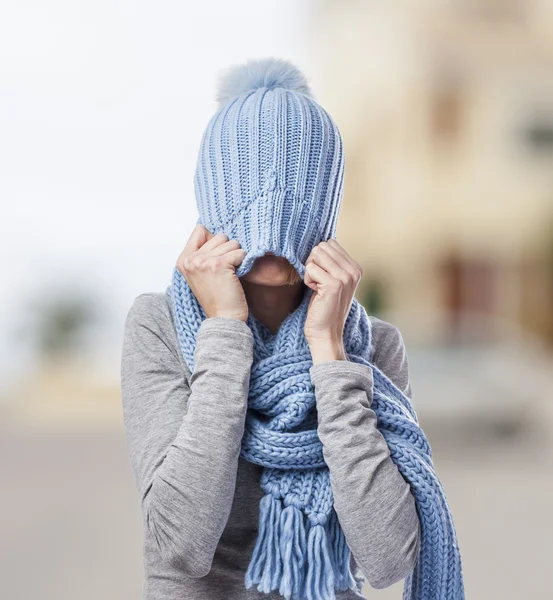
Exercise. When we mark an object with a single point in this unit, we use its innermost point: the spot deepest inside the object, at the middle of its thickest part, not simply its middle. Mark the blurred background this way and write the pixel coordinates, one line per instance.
(446, 111)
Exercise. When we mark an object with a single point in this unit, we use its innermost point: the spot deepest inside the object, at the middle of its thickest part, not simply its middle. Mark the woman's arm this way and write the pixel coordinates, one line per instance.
(184, 441)
(373, 501)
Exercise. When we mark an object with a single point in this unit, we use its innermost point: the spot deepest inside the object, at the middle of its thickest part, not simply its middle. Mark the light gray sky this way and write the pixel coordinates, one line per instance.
(102, 109)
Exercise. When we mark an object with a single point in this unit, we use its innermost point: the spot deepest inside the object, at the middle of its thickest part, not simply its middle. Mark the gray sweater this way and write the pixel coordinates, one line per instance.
(200, 498)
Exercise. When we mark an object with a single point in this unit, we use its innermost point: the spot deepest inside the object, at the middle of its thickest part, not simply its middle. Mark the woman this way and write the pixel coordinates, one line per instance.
(268, 188)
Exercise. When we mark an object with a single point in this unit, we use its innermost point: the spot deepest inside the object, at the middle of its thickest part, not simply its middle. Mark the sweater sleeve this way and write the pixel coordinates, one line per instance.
(373, 501)
(184, 438)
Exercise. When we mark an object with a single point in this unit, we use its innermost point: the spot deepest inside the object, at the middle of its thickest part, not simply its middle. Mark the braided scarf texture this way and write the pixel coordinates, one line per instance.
(301, 549)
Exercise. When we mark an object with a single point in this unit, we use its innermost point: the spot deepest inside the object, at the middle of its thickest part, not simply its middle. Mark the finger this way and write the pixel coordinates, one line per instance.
(338, 252)
(339, 248)
(236, 257)
(335, 244)
(316, 276)
(198, 237)
(331, 261)
(213, 242)
(225, 247)
(307, 278)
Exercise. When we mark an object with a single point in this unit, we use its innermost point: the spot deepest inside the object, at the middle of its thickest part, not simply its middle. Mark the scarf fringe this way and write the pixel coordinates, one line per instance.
(320, 573)
(304, 561)
(341, 553)
(292, 547)
(284, 531)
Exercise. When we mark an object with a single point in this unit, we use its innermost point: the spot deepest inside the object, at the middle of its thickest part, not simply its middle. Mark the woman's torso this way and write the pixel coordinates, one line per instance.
(163, 581)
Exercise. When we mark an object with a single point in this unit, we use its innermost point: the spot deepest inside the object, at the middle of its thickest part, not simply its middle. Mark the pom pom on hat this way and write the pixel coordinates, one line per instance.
(258, 73)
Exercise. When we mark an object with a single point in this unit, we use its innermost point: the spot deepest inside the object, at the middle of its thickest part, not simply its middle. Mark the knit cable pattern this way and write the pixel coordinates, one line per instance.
(270, 167)
(301, 549)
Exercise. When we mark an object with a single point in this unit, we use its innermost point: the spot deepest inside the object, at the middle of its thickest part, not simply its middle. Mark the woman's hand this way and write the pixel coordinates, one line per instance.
(208, 263)
(333, 275)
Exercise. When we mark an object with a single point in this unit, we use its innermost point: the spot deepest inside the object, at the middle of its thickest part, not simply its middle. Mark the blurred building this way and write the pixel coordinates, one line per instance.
(446, 109)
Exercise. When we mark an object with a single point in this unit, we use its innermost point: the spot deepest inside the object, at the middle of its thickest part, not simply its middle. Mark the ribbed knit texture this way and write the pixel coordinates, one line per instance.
(270, 170)
(301, 550)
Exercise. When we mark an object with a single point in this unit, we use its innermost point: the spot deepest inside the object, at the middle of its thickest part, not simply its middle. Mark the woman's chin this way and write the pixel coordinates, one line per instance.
(271, 270)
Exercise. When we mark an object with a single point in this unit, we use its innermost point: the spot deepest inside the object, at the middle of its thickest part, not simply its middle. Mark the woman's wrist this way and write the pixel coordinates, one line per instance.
(326, 350)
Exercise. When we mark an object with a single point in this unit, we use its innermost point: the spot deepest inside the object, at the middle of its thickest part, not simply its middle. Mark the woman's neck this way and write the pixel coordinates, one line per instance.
(272, 304)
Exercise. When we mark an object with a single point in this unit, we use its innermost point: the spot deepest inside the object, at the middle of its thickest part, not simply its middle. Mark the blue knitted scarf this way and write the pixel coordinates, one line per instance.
(301, 550)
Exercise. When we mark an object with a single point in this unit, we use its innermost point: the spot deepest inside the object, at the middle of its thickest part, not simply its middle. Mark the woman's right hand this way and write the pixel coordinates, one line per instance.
(208, 263)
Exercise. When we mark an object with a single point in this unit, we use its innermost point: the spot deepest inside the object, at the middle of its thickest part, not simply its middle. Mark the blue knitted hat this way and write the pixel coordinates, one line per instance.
(270, 168)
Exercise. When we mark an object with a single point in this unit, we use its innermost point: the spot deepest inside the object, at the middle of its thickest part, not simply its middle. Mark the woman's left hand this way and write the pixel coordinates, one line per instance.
(333, 275)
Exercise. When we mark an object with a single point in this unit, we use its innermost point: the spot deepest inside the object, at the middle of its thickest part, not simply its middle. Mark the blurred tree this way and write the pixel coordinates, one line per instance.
(58, 321)
(372, 297)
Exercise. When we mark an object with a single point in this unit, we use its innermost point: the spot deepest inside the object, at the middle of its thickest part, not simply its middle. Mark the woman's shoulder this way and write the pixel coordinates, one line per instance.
(389, 354)
(151, 311)
(150, 308)
(386, 338)
(381, 328)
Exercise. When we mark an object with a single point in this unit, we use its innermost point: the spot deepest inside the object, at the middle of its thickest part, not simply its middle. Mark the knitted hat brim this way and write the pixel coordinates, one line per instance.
(270, 223)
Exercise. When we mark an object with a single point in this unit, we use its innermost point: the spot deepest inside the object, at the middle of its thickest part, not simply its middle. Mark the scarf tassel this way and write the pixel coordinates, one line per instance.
(266, 564)
(302, 563)
(320, 572)
(341, 554)
(293, 550)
